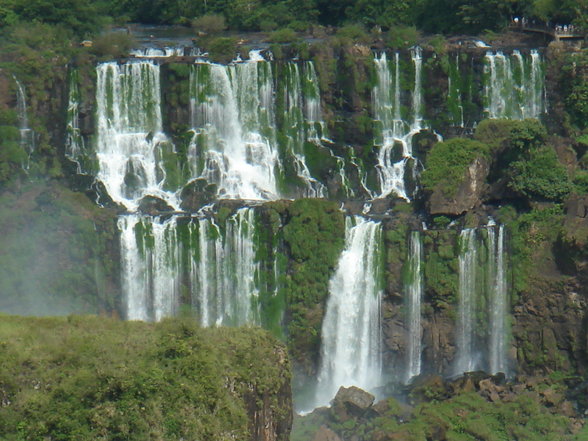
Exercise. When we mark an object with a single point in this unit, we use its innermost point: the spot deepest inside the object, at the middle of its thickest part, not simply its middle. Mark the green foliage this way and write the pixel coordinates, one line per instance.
(210, 23)
(169, 381)
(353, 33)
(112, 45)
(314, 235)
(580, 183)
(447, 162)
(221, 49)
(402, 36)
(541, 176)
(284, 35)
(532, 238)
(519, 135)
(82, 17)
(441, 266)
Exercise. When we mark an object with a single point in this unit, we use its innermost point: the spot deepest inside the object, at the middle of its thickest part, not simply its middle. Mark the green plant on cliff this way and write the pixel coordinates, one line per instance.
(447, 162)
(532, 237)
(169, 381)
(314, 236)
(540, 176)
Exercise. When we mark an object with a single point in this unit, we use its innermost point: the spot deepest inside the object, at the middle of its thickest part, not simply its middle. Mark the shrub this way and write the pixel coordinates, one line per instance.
(210, 23)
(540, 176)
(113, 45)
(447, 162)
(222, 49)
(285, 35)
(353, 32)
(402, 36)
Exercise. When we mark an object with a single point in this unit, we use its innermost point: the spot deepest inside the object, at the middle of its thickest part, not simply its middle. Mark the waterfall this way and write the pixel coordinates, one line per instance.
(303, 120)
(396, 133)
(466, 320)
(454, 93)
(414, 295)
(221, 267)
(74, 142)
(514, 85)
(482, 324)
(130, 132)
(27, 136)
(234, 144)
(223, 275)
(351, 331)
(498, 303)
(150, 254)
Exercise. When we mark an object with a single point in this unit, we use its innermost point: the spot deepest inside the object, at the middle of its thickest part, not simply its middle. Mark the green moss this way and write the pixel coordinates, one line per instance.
(447, 163)
(441, 267)
(533, 236)
(314, 237)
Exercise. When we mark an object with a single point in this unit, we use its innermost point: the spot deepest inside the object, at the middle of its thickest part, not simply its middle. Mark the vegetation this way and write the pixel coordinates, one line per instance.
(84, 17)
(438, 411)
(447, 162)
(92, 378)
(541, 176)
(314, 235)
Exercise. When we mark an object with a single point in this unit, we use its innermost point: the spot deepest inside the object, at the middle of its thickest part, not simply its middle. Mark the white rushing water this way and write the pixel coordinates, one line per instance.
(498, 304)
(221, 269)
(351, 332)
(223, 275)
(302, 115)
(414, 296)
(397, 131)
(74, 142)
(150, 254)
(27, 136)
(233, 119)
(483, 311)
(128, 109)
(466, 359)
(514, 85)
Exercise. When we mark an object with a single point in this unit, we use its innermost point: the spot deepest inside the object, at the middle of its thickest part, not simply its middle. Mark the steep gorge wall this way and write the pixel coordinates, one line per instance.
(548, 300)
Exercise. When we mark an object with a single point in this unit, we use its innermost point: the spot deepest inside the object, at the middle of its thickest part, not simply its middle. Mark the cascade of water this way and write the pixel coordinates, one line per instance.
(154, 52)
(498, 303)
(507, 74)
(414, 294)
(223, 275)
(130, 132)
(454, 99)
(302, 114)
(395, 137)
(74, 143)
(465, 359)
(234, 144)
(27, 136)
(351, 331)
(150, 255)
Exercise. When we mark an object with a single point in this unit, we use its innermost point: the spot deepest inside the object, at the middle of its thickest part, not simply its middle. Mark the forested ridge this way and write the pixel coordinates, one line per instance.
(85, 17)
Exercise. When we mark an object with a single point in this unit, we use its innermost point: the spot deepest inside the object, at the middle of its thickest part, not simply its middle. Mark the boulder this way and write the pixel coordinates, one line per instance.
(154, 206)
(326, 434)
(196, 194)
(468, 194)
(351, 402)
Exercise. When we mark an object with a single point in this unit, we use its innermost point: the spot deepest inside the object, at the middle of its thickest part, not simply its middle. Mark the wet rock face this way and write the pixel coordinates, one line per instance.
(468, 194)
(548, 329)
(154, 206)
